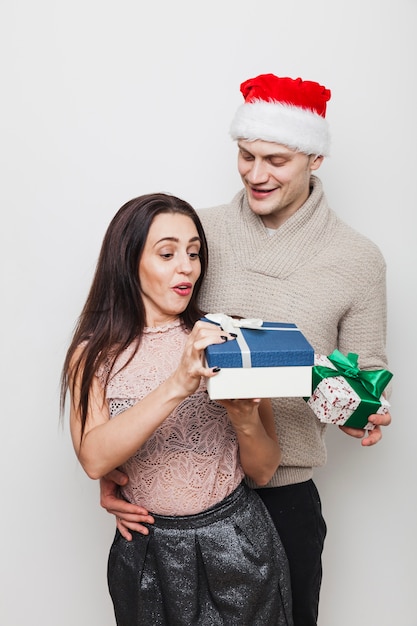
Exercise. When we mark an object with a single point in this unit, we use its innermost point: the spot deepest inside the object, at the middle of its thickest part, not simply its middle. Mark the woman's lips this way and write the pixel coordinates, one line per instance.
(183, 289)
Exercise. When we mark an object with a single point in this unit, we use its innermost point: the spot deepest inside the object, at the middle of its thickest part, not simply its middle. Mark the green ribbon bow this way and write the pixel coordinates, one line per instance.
(369, 385)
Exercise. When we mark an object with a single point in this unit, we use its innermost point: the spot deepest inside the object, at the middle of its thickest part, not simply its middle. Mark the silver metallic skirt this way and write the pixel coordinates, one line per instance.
(225, 566)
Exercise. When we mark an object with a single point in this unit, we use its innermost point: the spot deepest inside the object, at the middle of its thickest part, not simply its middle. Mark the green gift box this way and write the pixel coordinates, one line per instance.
(345, 395)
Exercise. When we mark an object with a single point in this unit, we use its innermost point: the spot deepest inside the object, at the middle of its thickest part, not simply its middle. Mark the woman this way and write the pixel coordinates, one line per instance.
(136, 376)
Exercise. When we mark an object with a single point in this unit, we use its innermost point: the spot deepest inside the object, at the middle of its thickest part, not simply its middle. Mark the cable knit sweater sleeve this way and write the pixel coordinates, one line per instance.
(314, 271)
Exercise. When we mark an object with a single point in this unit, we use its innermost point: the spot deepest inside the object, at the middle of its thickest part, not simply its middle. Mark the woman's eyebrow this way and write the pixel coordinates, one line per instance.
(176, 239)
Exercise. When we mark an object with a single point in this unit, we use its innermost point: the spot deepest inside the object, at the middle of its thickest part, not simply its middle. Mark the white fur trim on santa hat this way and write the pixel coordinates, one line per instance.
(297, 128)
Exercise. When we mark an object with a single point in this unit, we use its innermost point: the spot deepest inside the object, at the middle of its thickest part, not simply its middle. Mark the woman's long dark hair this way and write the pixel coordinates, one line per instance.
(113, 316)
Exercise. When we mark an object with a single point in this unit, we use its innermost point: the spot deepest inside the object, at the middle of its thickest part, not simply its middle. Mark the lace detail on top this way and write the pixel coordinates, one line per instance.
(191, 461)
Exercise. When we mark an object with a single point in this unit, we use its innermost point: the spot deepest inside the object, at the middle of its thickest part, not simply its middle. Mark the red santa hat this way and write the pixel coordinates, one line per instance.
(286, 111)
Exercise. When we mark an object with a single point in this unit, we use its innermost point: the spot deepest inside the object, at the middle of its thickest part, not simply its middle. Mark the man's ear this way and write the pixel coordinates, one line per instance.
(316, 161)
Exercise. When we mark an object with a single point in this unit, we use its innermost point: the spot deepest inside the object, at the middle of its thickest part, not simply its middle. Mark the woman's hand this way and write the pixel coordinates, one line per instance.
(259, 450)
(243, 413)
(192, 364)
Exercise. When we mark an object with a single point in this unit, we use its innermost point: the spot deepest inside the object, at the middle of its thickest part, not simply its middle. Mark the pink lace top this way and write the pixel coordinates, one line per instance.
(191, 461)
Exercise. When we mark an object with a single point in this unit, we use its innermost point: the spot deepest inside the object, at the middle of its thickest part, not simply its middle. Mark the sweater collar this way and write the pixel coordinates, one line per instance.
(293, 244)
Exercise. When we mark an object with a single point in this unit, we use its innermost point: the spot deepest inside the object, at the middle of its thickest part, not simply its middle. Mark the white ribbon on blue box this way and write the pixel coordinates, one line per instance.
(259, 363)
(254, 346)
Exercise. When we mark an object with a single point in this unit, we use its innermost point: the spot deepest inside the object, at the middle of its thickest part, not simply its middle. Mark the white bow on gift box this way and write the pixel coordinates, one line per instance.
(233, 325)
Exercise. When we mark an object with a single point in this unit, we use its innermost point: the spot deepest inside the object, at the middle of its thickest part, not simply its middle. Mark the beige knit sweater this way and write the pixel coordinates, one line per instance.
(314, 271)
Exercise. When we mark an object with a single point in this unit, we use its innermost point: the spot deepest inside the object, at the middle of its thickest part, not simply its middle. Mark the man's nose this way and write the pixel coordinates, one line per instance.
(258, 172)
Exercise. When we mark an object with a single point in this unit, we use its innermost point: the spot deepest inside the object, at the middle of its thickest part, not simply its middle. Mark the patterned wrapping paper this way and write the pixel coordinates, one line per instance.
(336, 401)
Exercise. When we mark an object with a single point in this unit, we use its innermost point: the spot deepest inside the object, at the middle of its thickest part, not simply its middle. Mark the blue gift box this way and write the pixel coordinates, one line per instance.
(272, 360)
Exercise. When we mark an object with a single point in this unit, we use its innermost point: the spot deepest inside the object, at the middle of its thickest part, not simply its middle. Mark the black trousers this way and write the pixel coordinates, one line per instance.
(296, 512)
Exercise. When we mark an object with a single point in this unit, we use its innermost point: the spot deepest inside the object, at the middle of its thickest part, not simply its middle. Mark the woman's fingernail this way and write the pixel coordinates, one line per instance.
(223, 337)
(233, 334)
(216, 369)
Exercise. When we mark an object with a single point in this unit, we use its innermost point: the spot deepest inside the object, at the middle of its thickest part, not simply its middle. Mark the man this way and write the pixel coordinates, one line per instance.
(278, 252)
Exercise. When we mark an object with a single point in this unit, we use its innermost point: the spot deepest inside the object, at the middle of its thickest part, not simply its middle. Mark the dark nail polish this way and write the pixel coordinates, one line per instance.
(223, 337)
(216, 369)
(233, 334)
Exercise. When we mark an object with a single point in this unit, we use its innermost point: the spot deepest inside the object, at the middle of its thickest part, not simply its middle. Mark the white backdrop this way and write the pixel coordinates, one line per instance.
(102, 101)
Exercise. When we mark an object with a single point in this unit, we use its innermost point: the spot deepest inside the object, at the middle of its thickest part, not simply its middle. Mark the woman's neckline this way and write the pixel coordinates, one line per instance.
(162, 327)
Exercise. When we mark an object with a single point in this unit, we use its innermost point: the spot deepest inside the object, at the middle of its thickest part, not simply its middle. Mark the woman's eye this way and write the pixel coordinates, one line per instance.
(194, 255)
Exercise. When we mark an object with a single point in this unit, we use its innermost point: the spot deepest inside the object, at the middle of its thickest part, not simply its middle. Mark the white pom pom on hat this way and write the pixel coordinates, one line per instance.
(285, 111)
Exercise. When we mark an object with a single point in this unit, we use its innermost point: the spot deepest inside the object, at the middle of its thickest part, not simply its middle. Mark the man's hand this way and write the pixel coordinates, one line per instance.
(128, 516)
(374, 435)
